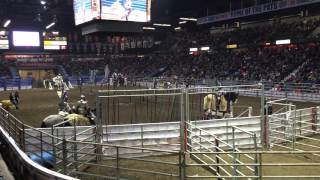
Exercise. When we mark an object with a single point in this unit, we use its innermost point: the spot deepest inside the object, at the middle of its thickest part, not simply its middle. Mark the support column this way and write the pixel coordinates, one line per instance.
(99, 130)
(263, 120)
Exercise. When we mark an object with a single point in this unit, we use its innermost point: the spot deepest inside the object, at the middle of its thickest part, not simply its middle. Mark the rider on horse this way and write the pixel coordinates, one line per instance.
(82, 106)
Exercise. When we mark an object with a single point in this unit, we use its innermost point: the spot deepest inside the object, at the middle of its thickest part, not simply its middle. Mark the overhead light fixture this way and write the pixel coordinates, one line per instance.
(182, 22)
(149, 28)
(177, 28)
(281, 42)
(50, 25)
(193, 49)
(232, 46)
(205, 48)
(6, 24)
(188, 19)
(163, 25)
(43, 2)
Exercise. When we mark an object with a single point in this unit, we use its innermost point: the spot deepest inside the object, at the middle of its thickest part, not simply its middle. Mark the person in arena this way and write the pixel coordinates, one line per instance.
(65, 107)
(268, 110)
(13, 100)
(17, 97)
(82, 106)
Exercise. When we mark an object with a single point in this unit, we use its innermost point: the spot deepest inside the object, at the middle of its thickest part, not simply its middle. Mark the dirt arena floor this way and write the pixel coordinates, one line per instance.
(36, 104)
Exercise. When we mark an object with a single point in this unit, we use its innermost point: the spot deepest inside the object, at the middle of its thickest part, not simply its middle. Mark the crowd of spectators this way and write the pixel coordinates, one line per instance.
(297, 31)
(310, 72)
(253, 64)
(267, 64)
(256, 61)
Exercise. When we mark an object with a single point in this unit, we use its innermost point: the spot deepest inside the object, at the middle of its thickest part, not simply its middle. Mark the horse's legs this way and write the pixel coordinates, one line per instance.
(43, 125)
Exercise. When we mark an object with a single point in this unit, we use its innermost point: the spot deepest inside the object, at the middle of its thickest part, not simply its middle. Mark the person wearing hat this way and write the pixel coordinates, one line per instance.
(13, 100)
(82, 106)
(268, 107)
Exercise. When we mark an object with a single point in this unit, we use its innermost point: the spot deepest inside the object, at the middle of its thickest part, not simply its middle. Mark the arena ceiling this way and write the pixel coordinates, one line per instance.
(31, 13)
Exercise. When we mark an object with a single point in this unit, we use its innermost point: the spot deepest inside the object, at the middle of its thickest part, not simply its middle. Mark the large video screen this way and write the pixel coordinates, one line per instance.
(126, 10)
(86, 10)
(26, 39)
(118, 10)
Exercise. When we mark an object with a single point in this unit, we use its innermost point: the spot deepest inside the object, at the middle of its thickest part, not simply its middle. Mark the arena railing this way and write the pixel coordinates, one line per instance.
(114, 165)
(200, 140)
(291, 91)
(13, 144)
(74, 155)
(276, 168)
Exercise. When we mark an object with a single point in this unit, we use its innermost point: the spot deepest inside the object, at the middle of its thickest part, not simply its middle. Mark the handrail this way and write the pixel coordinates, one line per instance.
(30, 162)
(242, 130)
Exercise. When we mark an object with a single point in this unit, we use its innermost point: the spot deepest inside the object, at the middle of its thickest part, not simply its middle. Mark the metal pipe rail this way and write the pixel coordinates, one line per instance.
(137, 95)
(118, 158)
(259, 164)
(235, 158)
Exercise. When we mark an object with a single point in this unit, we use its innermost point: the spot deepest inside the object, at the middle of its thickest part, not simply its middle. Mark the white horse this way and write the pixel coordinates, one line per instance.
(59, 83)
(65, 119)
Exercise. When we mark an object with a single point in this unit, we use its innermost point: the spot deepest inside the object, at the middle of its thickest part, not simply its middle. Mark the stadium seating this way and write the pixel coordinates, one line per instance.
(252, 61)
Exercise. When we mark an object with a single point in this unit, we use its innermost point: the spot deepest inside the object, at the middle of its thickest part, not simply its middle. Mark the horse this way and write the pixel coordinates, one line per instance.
(8, 105)
(59, 83)
(68, 119)
(219, 105)
(168, 85)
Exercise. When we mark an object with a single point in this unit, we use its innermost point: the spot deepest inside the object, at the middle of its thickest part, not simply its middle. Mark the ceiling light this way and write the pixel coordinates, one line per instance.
(6, 24)
(188, 19)
(50, 25)
(163, 25)
(148, 28)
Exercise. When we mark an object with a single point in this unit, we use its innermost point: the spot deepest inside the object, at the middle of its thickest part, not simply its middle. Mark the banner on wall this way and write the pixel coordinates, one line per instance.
(254, 10)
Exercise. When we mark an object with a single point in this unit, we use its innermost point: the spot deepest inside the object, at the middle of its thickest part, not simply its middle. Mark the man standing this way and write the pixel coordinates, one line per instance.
(13, 100)
(82, 106)
(16, 97)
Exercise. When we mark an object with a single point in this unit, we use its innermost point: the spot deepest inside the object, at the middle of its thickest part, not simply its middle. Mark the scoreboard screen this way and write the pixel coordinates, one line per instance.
(26, 39)
(55, 43)
(4, 40)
